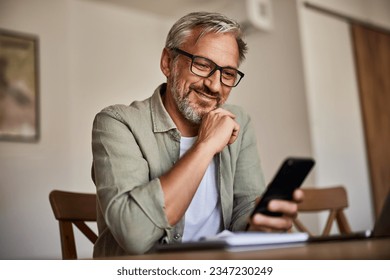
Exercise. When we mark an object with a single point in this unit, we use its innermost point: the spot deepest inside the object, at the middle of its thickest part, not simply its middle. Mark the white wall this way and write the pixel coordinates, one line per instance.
(273, 90)
(334, 107)
(114, 58)
(91, 55)
(29, 171)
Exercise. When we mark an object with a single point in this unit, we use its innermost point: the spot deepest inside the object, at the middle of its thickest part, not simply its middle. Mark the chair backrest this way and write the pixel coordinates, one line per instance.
(332, 199)
(73, 208)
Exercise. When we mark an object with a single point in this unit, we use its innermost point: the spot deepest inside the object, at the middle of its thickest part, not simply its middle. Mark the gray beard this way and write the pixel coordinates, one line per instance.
(187, 111)
(183, 104)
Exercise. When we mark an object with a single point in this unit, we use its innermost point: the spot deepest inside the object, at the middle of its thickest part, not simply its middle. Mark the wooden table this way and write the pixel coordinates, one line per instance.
(364, 249)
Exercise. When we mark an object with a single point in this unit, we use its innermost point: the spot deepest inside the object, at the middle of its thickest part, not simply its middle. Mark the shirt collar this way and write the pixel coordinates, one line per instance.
(162, 121)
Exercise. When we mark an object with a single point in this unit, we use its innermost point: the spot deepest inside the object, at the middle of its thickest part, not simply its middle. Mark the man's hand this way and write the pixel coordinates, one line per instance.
(260, 222)
(218, 129)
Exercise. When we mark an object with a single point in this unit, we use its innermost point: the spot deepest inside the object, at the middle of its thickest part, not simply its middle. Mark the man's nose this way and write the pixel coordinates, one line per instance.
(214, 82)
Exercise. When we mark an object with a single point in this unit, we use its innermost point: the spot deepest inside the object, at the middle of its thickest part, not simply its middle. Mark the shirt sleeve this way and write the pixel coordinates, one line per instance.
(248, 178)
(131, 203)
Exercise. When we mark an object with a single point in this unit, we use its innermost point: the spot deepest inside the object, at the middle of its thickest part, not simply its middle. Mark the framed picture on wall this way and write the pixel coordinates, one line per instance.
(19, 88)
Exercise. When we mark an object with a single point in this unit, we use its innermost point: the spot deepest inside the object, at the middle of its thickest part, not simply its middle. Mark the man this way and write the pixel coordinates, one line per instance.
(182, 164)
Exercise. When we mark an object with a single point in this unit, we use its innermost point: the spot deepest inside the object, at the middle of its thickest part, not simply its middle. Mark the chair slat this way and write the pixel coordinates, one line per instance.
(331, 199)
(73, 208)
(87, 231)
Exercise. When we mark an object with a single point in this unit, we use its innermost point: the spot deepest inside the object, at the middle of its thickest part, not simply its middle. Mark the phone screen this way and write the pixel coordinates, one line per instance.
(289, 177)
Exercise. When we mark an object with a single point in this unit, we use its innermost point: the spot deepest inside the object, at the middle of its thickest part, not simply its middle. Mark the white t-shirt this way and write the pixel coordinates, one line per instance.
(203, 216)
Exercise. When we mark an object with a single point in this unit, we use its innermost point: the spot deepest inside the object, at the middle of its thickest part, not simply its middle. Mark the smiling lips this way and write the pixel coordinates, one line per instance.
(205, 95)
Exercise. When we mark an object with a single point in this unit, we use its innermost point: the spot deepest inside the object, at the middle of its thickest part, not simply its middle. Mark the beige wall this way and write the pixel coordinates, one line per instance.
(91, 55)
(94, 54)
(333, 98)
(29, 171)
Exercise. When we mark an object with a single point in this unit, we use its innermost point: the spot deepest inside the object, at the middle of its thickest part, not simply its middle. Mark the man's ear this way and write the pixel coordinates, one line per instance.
(165, 62)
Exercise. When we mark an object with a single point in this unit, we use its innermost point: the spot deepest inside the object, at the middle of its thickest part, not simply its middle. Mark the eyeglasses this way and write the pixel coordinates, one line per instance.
(204, 67)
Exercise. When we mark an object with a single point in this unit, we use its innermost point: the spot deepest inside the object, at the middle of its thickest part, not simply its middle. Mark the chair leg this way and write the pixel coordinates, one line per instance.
(342, 223)
(298, 224)
(67, 241)
(329, 222)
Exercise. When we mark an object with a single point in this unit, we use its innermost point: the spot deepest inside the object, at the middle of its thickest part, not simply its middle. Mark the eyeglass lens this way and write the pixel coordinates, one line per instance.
(205, 68)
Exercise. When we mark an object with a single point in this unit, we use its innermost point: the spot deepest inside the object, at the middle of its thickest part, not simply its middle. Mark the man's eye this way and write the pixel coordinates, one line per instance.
(229, 74)
(202, 66)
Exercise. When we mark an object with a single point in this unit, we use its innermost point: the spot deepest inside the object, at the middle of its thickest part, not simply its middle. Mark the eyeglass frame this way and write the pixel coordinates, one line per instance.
(217, 67)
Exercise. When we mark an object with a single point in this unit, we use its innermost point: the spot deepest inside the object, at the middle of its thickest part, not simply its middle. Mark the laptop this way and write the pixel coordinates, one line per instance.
(381, 228)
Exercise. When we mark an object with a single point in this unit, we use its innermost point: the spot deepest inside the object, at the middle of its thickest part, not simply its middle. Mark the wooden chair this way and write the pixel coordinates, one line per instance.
(332, 199)
(73, 208)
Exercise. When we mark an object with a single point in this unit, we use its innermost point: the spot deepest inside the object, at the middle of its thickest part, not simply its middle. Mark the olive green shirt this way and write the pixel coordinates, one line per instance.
(132, 147)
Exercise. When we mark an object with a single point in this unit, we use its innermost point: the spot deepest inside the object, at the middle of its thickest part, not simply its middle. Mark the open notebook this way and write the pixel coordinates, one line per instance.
(244, 241)
(237, 241)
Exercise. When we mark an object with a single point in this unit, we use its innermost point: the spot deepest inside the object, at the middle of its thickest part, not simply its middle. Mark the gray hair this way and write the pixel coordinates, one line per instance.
(208, 22)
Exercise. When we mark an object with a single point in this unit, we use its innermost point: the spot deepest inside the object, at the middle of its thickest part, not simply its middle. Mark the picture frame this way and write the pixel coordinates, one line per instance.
(19, 87)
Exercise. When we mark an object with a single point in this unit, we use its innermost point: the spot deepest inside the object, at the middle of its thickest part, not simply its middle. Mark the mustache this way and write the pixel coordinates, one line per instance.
(205, 90)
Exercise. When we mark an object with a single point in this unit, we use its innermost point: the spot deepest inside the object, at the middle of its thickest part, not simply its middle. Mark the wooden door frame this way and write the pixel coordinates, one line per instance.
(372, 63)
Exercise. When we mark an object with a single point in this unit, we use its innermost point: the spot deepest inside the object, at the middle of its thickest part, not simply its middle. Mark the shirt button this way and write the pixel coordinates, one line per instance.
(177, 236)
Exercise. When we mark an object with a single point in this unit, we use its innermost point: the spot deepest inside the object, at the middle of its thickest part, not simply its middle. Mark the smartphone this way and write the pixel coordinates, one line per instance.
(289, 177)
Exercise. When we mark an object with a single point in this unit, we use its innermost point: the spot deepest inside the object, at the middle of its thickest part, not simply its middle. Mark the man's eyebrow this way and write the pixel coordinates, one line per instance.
(224, 66)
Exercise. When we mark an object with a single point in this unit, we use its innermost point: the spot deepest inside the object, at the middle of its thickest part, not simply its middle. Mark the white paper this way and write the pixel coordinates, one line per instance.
(258, 238)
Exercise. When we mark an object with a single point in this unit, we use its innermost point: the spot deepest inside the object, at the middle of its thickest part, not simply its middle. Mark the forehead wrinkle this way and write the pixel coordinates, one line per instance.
(203, 32)
(194, 37)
